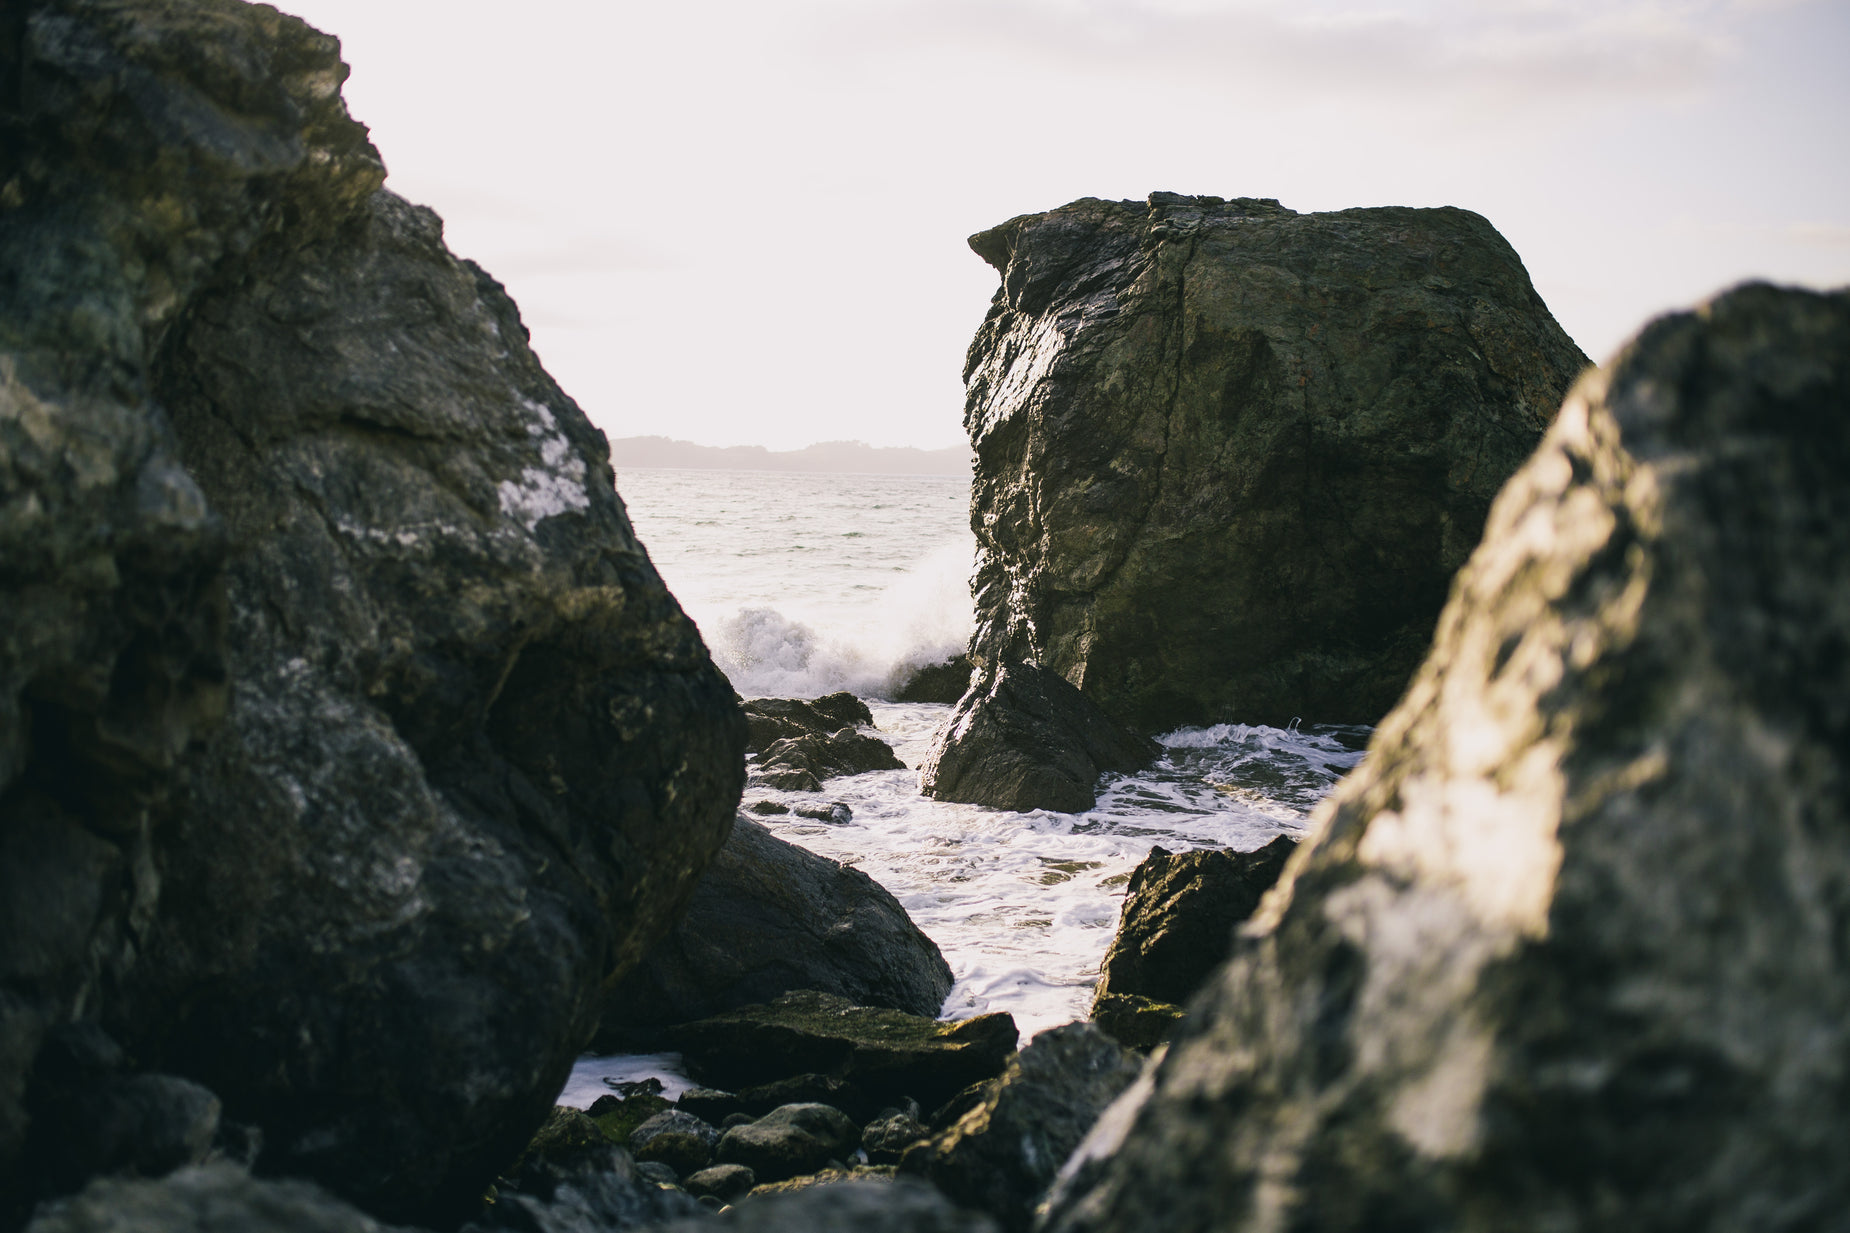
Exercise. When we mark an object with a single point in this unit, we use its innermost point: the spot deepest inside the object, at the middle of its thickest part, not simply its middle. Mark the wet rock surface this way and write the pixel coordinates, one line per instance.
(942, 683)
(768, 917)
(1568, 948)
(348, 739)
(1180, 911)
(884, 1057)
(1024, 738)
(1001, 1155)
(800, 743)
(1229, 456)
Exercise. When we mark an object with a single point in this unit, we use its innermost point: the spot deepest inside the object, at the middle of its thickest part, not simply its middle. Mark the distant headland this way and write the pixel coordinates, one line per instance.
(835, 456)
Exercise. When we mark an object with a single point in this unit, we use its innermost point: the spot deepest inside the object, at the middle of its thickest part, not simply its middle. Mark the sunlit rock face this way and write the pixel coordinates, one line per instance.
(348, 739)
(1229, 456)
(1571, 948)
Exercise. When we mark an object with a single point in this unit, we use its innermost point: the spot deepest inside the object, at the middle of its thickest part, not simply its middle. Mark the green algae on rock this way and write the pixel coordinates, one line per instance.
(1229, 456)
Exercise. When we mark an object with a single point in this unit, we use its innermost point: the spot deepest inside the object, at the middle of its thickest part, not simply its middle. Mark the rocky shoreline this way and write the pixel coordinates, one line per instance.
(357, 769)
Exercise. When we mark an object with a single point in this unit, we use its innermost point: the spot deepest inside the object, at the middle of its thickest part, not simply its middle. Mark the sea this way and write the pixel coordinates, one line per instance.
(806, 583)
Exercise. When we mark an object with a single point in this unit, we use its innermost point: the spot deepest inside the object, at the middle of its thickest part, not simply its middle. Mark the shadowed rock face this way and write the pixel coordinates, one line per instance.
(1568, 950)
(768, 917)
(1229, 456)
(348, 739)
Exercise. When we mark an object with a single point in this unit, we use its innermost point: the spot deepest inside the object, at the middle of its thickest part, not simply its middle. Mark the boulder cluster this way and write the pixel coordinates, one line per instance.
(357, 770)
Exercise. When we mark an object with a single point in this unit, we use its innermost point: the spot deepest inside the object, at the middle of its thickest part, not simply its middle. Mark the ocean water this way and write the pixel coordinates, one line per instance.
(803, 584)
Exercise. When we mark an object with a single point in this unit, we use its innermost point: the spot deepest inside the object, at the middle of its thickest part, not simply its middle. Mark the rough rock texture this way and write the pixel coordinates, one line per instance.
(1000, 1157)
(887, 1055)
(213, 1199)
(1229, 456)
(790, 1141)
(901, 1206)
(573, 1181)
(725, 1182)
(348, 739)
(1569, 950)
(801, 763)
(1135, 1022)
(1023, 738)
(770, 720)
(768, 917)
(1180, 911)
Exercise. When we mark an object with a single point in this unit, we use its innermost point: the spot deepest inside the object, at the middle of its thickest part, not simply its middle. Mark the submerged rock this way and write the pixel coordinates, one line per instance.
(1023, 738)
(1229, 456)
(348, 739)
(768, 917)
(1568, 949)
(1000, 1157)
(1180, 911)
(886, 1055)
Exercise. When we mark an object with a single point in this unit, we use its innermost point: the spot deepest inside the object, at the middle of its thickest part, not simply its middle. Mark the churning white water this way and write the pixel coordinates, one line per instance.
(803, 584)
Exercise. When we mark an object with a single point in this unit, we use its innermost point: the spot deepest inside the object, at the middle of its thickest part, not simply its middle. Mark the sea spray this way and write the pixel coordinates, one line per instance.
(1023, 905)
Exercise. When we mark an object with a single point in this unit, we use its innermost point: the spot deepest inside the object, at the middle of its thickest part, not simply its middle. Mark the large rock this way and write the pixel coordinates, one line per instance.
(885, 1055)
(348, 739)
(214, 1199)
(790, 1141)
(768, 917)
(903, 1206)
(1000, 1157)
(1569, 949)
(1180, 911)
(1023, 738)
(1229, 456)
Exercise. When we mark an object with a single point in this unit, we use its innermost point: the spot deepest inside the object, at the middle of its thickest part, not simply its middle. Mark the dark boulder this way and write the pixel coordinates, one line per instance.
(572, 1179)
(726, 1182)
(768, 917)
(886, 1138)
(348, 739)
(770, 720)
(1023, 738)
(888, 1056)
(790, 1141)
(1229, 456)
(1000, 1157)
(217, 1198)
(1567, 951)
(677, 1139)
(1180, 911)
(942, 683)
(801, 763)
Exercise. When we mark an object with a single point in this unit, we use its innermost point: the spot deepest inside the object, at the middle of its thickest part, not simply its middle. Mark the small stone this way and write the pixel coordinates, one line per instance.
(722, 1182)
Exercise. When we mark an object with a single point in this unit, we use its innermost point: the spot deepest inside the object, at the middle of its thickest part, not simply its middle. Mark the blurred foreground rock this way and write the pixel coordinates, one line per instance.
(1229, 456)
(348, 739)
(1001, 1155)
(768, 917)
(1569, 950)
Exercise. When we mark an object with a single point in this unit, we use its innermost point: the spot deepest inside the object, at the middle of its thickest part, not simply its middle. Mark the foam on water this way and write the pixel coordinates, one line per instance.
(1023, 905)
(805, 584)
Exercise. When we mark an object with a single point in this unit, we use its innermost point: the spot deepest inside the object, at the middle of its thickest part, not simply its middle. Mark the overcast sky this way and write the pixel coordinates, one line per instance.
(744, 222)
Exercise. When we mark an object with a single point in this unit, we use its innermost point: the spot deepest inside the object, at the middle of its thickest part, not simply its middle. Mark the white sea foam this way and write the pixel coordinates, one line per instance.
(1023, 905)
